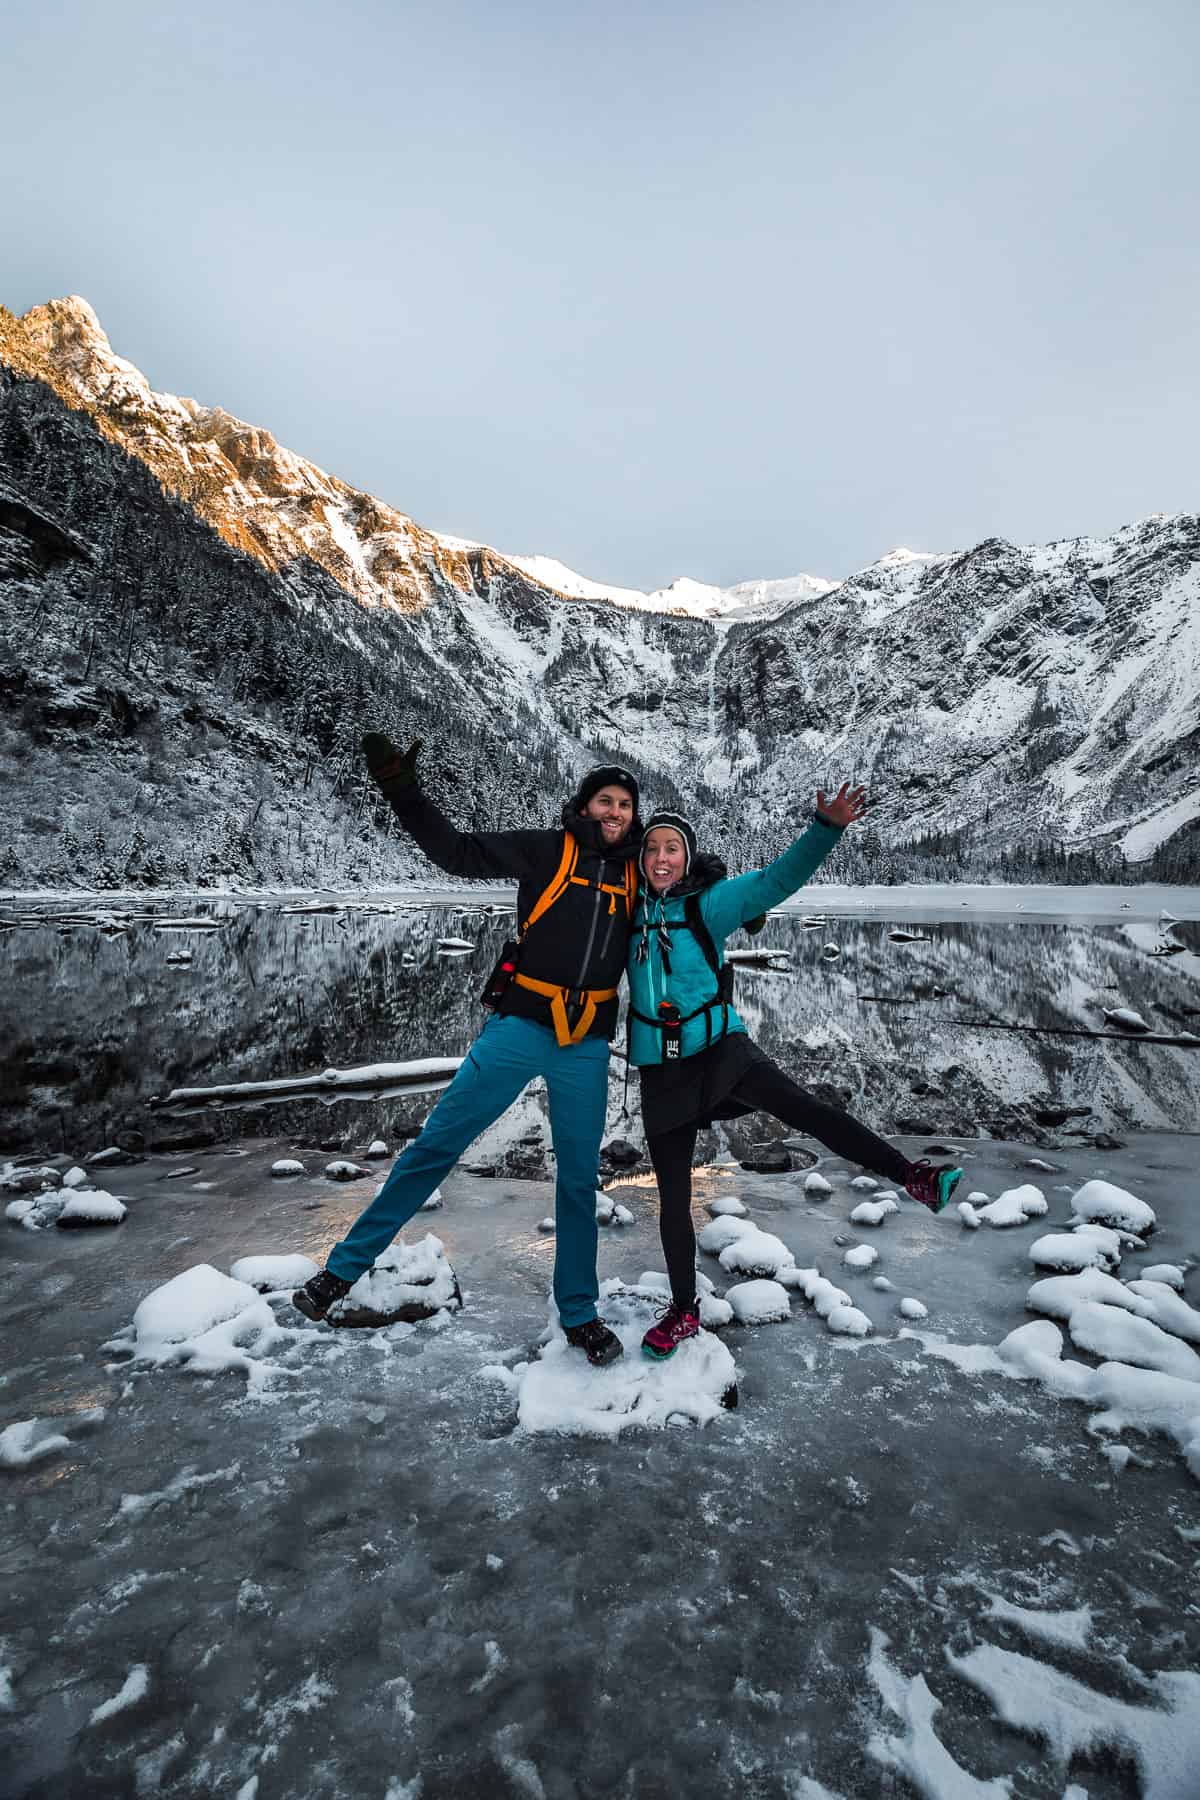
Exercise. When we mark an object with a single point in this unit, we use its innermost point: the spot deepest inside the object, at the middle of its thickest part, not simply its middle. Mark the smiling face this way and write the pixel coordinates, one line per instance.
(612, 807)
(664, 858)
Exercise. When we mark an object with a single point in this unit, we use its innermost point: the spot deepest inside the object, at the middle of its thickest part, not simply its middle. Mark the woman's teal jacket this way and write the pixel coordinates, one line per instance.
(724, 906)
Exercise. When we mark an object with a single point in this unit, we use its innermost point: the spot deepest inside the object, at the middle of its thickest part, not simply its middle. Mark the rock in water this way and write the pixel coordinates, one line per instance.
(409, 1282)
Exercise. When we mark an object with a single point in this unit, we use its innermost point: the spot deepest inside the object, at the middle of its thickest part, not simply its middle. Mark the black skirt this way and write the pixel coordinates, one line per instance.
(698, 1089)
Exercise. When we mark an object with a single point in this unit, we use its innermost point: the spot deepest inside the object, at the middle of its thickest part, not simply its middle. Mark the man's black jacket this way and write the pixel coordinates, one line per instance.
(581, 941)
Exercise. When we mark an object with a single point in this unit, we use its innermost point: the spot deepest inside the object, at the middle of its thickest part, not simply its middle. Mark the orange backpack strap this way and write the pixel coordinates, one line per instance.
(631, 885)
(558, 882)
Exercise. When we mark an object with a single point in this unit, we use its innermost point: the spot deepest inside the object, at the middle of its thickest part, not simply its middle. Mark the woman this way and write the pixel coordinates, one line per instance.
(695, 1058)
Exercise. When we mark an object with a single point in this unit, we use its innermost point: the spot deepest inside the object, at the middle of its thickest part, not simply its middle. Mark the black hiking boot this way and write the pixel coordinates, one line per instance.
(316, 1297)
(598, 1343)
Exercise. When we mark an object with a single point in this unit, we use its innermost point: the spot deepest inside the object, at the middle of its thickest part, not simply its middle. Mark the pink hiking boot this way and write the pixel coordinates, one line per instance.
(677, 1324)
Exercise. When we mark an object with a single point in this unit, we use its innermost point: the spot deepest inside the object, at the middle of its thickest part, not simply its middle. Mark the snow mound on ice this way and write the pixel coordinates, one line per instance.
(917, 1753)
(1119, 1336)
(1071, 1630)
(1114, 1241)
(407, 1282)
(1105, 1204)
(759, 1302)
(1014, 1206)
(35, 1215)
(1162, 1738)
(1169, 1273)
(914, 1309)
(861, 1257)
(717, 1236)
(727, 1206)
(756, 1253)
(341, 1170)
(817, 1184)
(873, 1212)
(272, 1274)
(1068, 1252)
(287, 1165)
(20, 1444)
(209, 1323)
(561, 1393)
(1168, 1309)
(866, 1184)
(91, 1206)
(831, 1303)
(610, 1211)
(187, 1306)
(1059, 1295)
(969, 1216)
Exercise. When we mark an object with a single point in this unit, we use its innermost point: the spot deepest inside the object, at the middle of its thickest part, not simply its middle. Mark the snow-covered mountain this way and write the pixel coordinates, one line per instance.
(692, 599)
(996, 699)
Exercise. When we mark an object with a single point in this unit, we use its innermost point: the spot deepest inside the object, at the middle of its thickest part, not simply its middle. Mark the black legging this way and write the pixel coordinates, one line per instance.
(763, 1088)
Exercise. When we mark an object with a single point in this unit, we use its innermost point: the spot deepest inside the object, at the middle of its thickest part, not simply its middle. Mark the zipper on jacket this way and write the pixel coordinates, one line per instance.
(587, 955)
(608, 930)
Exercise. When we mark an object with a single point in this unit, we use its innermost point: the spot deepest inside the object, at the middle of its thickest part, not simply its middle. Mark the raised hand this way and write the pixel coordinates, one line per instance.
(848, 804)
(386, 763)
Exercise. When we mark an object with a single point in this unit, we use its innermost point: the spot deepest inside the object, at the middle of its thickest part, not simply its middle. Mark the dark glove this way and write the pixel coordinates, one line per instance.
(752, 927)
(387, 764)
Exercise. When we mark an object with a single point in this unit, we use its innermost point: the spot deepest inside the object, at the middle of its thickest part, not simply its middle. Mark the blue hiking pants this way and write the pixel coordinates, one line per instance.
(507, 1055)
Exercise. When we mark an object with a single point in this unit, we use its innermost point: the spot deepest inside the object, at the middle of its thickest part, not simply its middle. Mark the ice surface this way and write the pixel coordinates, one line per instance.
(272, 1274)
(1069, 1252)
(861, 1257)
(1108, 1205)
(1014, 1206)
(760, 1302)
(560, 1392)
(873, 1212)
(755, 1253)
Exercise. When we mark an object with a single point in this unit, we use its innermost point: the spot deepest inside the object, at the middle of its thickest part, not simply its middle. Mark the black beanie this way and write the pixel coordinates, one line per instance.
(677, 822)
(609, 776)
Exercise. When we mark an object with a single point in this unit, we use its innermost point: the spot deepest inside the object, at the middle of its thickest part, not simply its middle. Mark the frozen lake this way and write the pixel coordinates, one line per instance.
(882, 1575)
(106, 1005)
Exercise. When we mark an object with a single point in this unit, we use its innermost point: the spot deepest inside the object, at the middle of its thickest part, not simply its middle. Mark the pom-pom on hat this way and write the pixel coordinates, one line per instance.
(675, 822)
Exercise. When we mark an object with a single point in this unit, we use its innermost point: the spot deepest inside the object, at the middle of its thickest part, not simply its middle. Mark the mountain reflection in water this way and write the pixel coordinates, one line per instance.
(96, 1023)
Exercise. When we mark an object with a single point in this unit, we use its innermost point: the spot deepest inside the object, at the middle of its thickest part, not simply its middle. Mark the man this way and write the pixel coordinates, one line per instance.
(554, 1006)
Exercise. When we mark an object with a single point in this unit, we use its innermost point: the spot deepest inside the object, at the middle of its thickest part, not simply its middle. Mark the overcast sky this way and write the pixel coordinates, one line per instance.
(718, 290)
